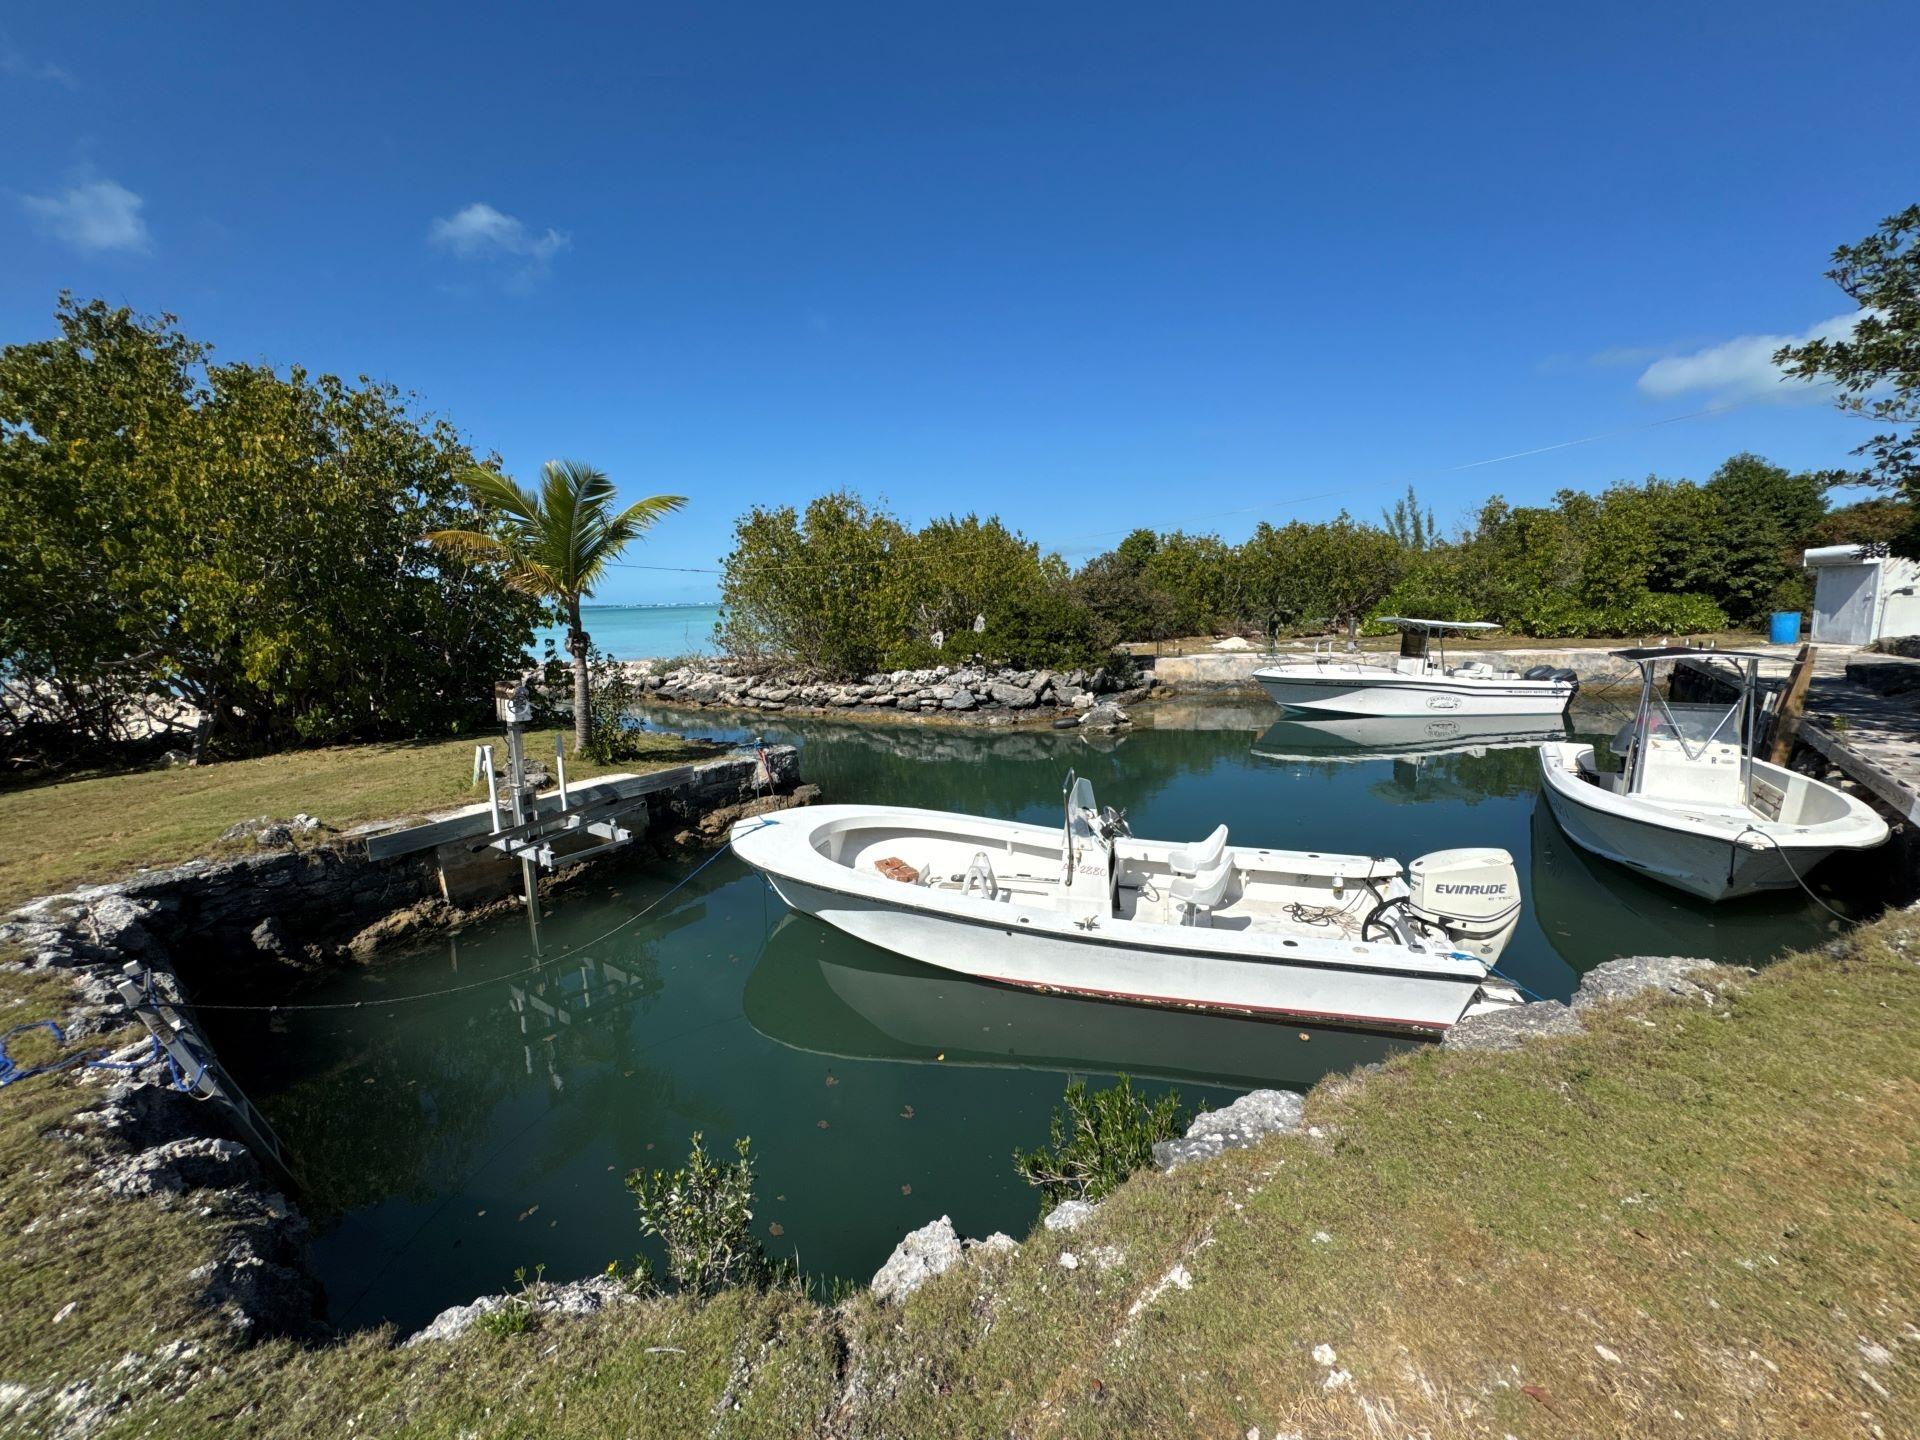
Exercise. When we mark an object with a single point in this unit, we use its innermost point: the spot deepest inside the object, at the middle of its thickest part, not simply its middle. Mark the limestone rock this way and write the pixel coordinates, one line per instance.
(1014, 697)
(1636, 974)
(176, 1166)
(931, 1250)
(1245, 1122)
(1510, 1028)
(1105, 717)
(1069, 1215)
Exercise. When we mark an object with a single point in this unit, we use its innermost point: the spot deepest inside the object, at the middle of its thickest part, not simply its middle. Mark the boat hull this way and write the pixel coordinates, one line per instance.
(1713, 866)
(1367, 690)
(1139, 973)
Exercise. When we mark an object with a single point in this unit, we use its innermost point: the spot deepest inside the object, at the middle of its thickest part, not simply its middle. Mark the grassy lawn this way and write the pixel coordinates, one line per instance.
(1689, 1221)
(73, 832)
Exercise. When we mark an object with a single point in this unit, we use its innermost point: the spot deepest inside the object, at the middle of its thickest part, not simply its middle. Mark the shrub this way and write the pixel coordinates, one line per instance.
(515, 1314)
(1099, 1139)
(703, 1214)
(1646, 614)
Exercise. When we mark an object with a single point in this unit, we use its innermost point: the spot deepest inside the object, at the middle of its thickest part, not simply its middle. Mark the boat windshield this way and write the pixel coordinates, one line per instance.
(1697, 725)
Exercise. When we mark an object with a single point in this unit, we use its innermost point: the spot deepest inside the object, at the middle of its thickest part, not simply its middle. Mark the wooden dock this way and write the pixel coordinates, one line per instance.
(1863, 715)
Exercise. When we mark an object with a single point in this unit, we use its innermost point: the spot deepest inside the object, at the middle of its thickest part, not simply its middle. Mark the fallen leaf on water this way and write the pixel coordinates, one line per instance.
(776, 1229)
(906, 1112)
(649, 1144)
(479, 1212)
(821, 1124)
(528, 1211)
(906, 1189)
(1535, 1392)
(779, 1197)
(832, 1079)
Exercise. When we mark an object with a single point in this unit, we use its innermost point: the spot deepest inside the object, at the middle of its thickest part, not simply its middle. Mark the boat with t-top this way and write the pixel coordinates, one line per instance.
(1419, 681)
(1693, 805)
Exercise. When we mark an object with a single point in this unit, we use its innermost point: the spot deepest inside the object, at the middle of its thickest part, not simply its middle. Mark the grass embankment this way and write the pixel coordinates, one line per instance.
(1688, 1221)
(72, 832)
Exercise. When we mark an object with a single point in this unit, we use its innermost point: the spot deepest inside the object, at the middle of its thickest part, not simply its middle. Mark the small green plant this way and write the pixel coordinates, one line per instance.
(1098, 1139)
(515, 1314)
(703, 1213)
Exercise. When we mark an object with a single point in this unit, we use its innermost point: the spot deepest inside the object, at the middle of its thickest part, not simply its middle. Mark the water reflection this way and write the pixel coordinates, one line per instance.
(1358, 738)
(816, 990)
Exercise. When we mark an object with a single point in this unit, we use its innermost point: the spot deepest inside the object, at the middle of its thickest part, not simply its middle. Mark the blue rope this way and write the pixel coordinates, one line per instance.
(1531, 994)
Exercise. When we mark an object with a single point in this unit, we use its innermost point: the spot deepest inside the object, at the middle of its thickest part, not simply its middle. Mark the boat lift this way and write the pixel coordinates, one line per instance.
(531, 840)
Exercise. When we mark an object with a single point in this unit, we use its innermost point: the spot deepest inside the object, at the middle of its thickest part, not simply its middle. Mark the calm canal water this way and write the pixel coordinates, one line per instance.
(448, 1141)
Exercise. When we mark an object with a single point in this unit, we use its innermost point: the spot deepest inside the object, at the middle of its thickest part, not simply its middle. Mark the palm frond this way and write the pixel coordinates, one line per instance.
(472, 543)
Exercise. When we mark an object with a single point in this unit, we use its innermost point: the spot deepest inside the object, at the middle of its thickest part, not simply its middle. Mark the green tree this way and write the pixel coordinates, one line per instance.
(825, 589)
(1352, 568)
(1764, 514)
(1124, 604)
(246, 539)
(1876, 368)
(1198, 575)
(556, 543)
(1408, 523)
(1277, 589)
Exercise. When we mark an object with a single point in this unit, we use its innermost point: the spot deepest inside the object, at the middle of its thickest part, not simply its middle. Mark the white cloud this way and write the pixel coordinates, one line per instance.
(94, 216)
(480, 232)
(16, 64)
(1741, 368)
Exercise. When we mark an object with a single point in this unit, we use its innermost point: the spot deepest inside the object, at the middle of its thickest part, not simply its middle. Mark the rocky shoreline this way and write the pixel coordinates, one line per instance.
(969, 693)
(249, 926)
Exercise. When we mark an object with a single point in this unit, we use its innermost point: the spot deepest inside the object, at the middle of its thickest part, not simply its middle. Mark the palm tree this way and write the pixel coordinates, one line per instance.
(556, 543)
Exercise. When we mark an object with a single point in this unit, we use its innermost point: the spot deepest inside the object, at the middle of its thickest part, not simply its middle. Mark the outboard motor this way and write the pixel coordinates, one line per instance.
(1470, 896)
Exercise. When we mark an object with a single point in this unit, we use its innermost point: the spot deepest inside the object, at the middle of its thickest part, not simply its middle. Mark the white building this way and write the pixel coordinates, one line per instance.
(1858, 596)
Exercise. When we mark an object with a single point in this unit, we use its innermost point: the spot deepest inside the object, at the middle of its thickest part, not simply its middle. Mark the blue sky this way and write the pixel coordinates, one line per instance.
(1089, 266)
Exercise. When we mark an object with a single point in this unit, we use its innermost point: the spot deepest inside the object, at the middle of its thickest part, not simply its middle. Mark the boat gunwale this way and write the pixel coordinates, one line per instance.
(1854, 832)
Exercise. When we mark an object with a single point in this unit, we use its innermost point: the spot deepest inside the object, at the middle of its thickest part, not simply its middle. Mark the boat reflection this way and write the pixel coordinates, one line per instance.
(1575, 896)
(1367, 737)
(816, 989)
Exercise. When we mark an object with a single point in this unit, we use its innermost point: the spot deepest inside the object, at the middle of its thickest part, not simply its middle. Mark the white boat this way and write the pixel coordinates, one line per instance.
(1086, 909)
(1419, 681)
(1692, 805)
(1356, 738)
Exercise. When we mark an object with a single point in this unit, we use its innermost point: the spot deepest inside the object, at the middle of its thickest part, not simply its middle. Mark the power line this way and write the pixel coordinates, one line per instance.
(1062, 543)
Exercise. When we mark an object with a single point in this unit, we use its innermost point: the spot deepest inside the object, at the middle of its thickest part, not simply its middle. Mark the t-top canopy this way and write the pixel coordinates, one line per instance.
(1640, 654)
(1436, 624)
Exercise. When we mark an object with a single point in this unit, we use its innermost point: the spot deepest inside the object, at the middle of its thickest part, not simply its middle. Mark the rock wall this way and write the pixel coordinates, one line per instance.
(951, 692)
(252, 926)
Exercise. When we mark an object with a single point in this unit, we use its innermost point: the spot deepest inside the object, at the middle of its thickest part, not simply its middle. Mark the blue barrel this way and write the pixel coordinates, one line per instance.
(1786, 627)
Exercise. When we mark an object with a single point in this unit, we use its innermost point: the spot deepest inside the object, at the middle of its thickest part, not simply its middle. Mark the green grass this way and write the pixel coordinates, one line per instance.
(72, 832)
(1690, 1221)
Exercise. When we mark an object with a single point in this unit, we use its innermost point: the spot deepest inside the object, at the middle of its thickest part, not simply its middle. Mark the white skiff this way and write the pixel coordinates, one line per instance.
(1086, 909)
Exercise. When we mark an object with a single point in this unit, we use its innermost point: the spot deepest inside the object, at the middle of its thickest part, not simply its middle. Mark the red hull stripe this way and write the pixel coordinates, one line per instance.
(1325, 1016)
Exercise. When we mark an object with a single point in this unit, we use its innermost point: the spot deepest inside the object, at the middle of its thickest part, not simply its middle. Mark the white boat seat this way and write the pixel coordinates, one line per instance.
(980, 876)
(1195, 896)
(1191, 860)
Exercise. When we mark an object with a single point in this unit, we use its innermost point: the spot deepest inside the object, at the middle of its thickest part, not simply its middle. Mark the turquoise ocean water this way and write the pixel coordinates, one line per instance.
(642, 632)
